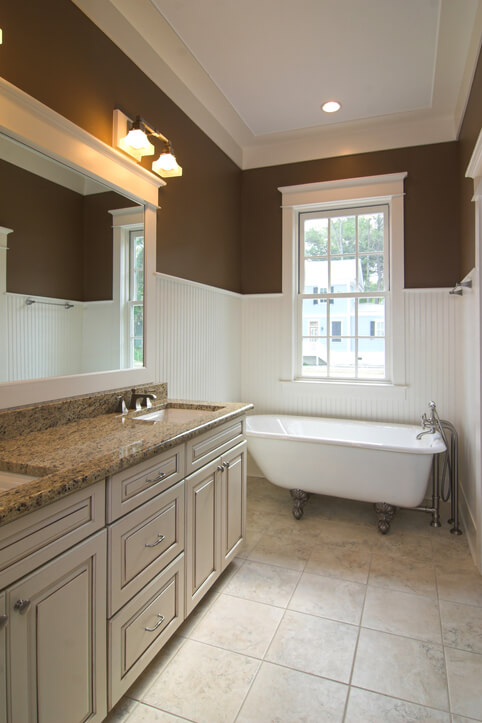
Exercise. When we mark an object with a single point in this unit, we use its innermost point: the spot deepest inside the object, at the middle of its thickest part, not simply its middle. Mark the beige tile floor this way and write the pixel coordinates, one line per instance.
(326, 620)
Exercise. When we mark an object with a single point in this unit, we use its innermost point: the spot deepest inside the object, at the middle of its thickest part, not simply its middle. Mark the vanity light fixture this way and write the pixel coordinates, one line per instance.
(133, 138)
(331, 106)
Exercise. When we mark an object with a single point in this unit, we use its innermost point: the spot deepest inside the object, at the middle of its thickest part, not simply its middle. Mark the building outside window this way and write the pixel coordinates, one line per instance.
(343, 260)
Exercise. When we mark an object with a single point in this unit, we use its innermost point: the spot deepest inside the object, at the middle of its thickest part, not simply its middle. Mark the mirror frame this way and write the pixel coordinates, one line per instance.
(39, 127)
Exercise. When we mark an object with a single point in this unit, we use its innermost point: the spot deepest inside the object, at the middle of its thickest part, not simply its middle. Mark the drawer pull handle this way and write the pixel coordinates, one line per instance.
(159, 622)
(226, 465)
(3, 621)
(160, 476)
(160, 538)
(22, 606)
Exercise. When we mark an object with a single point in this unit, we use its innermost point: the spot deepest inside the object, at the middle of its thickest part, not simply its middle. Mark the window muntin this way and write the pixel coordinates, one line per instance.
(343, 286)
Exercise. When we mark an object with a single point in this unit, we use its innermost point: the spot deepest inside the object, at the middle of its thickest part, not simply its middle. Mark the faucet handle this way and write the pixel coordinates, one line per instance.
(122, 406)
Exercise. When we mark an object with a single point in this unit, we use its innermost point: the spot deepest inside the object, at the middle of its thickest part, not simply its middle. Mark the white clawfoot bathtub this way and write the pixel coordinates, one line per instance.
(368, 461)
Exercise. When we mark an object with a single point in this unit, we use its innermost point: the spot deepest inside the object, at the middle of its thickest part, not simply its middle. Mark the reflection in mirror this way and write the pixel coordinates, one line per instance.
(71, 271)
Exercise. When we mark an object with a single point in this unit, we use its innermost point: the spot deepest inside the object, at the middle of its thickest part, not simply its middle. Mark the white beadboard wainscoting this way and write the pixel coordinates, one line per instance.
(46, 340)
(199, 337)
(430, 364)
(217, 345)
(42, 341)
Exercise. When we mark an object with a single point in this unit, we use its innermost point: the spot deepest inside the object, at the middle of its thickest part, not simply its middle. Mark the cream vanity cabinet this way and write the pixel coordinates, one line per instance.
(93, 585)
(215, 506)
(53, 630)
(145, 514)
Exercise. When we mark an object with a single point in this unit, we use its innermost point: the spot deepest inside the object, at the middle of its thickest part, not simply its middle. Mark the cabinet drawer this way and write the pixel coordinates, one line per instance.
(143, 626)
(128, 489)
(143, 543)
(38, 537)
(206, 447)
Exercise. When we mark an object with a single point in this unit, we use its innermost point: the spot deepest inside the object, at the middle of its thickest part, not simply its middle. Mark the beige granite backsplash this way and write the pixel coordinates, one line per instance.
(37, 417)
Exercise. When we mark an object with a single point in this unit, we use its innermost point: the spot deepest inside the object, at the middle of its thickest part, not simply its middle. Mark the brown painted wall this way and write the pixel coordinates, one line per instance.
(55, 53)
(45, 248)
(469, 133)
(61, 244)
(431, 211)
(97, 248)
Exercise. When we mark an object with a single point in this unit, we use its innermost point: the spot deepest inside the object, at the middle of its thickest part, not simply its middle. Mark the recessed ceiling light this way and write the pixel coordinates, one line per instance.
(331, 106)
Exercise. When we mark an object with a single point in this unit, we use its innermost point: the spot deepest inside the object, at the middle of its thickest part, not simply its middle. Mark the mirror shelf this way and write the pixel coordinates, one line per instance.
(41, 129)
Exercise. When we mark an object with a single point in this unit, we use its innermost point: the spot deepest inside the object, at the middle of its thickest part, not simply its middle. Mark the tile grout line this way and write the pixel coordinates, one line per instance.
(357, 640)
(267, 648)
(449, 697)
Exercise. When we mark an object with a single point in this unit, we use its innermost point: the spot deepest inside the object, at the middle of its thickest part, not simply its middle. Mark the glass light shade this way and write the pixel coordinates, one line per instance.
(167, 166)
(137, 144)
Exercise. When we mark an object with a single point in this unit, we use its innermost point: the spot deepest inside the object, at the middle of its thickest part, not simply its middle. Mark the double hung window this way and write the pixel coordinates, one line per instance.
(343, 295)
(343, 305)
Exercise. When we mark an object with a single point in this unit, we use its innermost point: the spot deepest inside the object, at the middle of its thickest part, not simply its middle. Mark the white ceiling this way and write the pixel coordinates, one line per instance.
(253, 73)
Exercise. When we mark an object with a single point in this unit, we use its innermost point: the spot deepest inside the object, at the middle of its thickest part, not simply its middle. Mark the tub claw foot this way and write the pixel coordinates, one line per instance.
(300, 499)
(385, 514)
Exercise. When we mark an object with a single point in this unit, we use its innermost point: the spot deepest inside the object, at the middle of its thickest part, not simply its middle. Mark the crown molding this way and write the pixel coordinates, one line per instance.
(141, 31)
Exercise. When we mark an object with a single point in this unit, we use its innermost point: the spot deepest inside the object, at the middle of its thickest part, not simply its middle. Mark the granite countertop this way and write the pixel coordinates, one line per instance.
(74, 455)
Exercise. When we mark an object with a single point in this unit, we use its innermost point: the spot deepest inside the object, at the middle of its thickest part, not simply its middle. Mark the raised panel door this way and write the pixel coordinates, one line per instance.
(57, 639)
(203, 532)
(233, 516)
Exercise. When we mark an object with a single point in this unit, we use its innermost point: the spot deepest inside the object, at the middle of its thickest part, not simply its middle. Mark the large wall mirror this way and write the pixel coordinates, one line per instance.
(72, 270)
(77, 254)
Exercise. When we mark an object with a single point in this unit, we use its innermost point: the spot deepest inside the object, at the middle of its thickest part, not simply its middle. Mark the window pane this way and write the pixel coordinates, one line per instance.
(371, 358)
(342, 317)
(343, 235)
(371, 317)
(314, 317)
(342, 357)
(138, 352)
(316, 276)
(343, 274)
(316, 236)
(371, 232)
(314, 361)
(138, 325)
(372, 270)
(137, 293)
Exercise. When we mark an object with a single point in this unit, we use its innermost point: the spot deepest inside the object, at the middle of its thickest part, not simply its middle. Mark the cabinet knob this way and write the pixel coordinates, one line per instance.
(3, 621)
(220, 468)
(22, 606)
(226, 465)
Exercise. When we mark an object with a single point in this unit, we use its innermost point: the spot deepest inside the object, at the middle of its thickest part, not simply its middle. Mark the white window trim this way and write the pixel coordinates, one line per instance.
(124, 220)
(344, 193)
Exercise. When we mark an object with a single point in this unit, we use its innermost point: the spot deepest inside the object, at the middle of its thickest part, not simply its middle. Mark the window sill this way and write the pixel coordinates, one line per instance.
(358, 390)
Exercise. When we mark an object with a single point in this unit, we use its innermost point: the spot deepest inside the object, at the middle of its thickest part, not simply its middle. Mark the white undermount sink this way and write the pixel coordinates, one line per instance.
(175, 415)
(10, 480)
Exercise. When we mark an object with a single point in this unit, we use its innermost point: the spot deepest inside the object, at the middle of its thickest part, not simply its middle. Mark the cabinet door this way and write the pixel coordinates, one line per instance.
(3, 659)
(203, 531)
(57, 639)
(233, 502)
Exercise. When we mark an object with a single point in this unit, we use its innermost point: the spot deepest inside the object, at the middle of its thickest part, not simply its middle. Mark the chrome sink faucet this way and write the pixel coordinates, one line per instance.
(137, 397)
